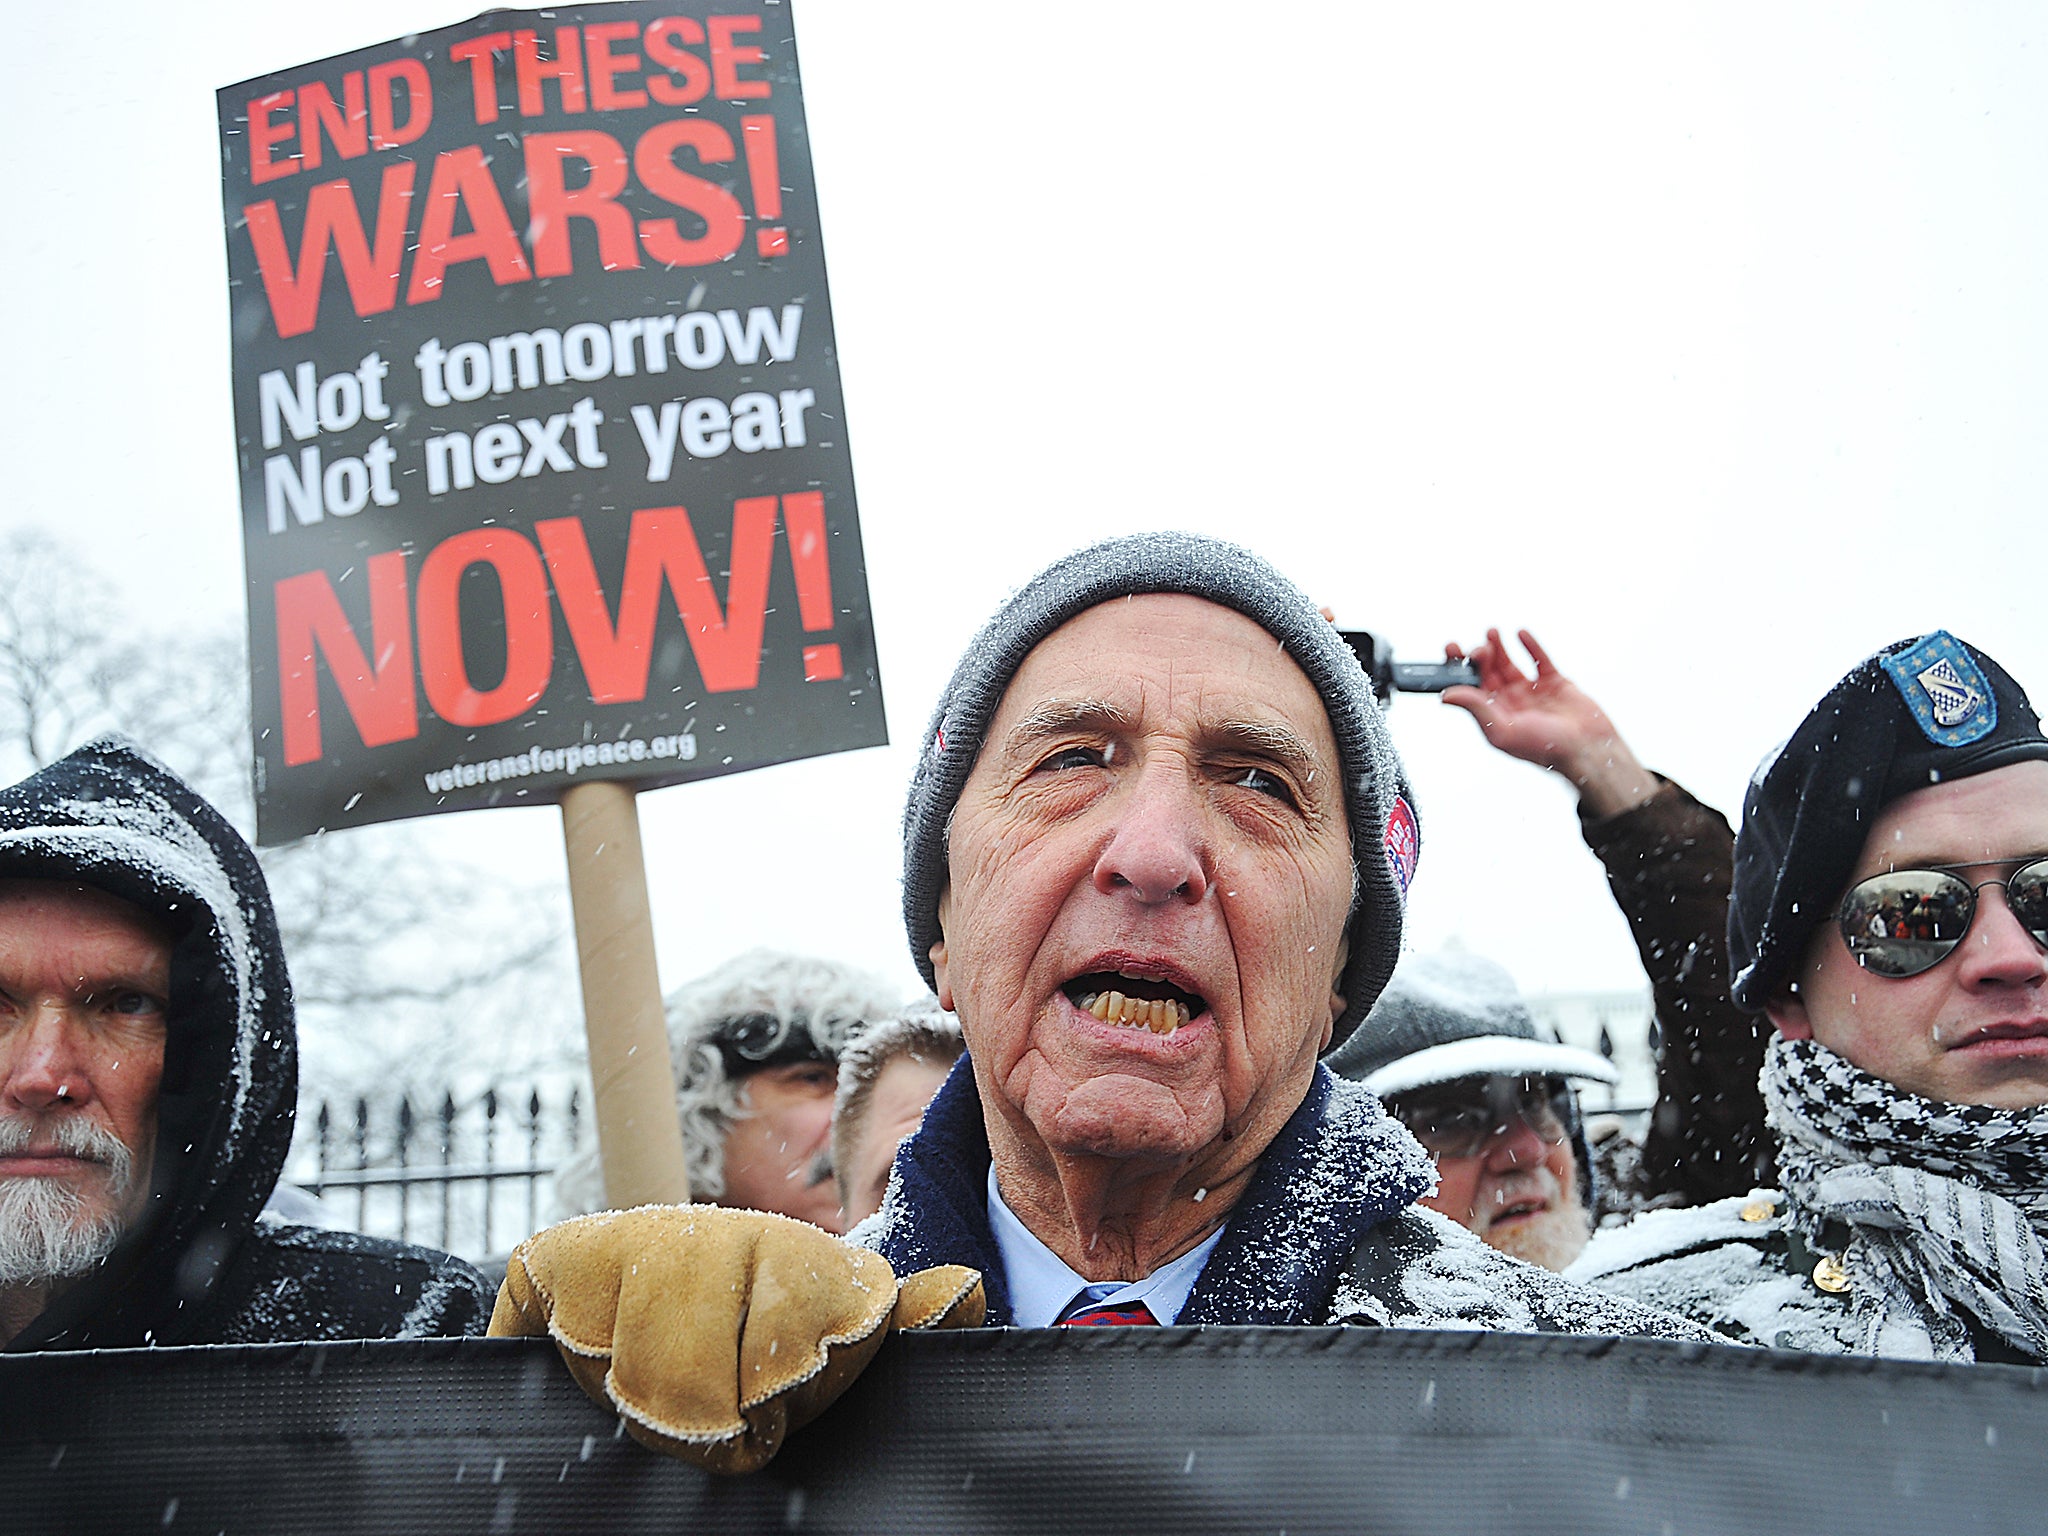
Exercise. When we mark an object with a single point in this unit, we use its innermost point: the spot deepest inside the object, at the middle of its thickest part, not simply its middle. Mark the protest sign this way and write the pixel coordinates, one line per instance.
(545, 484)
(543, 454)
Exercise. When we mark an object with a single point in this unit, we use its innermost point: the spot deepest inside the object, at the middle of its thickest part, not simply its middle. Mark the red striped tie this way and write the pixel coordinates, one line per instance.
(1088, 1313)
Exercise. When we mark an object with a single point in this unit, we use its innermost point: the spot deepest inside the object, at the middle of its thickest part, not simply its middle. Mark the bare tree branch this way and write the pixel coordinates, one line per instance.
(407, 971)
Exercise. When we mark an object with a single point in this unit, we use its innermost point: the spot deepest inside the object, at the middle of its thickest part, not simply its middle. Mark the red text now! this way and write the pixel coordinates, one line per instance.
(614, 644)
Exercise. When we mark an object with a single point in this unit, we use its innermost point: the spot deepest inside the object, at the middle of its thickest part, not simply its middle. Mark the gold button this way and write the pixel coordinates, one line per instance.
(1829, 1275)
(1758, 1210)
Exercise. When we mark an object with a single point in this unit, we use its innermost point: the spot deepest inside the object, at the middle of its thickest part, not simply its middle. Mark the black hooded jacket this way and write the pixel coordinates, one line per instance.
(199, 1267)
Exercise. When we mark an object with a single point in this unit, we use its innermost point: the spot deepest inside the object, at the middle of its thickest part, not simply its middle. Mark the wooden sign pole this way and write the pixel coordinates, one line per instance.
(638, 1134)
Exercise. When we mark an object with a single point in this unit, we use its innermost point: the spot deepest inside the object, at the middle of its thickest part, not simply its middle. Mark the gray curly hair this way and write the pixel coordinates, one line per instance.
(757, 1006)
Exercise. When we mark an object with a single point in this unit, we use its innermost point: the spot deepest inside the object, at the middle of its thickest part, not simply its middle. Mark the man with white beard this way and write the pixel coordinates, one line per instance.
(1454, 1053)
(148, 1079)
(84, 978)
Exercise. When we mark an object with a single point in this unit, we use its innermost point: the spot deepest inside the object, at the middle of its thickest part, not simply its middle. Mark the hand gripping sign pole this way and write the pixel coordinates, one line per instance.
(638, 1134)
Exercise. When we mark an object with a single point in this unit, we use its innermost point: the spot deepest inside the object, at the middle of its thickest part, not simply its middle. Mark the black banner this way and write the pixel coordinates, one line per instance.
(543, 453)
(1176, 1430)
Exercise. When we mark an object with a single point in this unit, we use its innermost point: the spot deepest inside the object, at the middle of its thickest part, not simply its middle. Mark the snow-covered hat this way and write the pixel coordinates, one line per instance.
(1449, 1016)
(1385, 834)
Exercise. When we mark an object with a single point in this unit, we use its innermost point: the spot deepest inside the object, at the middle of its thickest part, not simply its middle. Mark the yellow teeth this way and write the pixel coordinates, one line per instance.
(1161, 1015)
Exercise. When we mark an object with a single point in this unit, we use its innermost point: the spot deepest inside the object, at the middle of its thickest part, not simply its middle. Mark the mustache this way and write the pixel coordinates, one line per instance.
(72, 1134)
(1535, 1182)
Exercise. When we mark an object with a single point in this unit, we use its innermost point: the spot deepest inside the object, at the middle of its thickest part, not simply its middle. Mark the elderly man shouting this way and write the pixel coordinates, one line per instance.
(1156, 853)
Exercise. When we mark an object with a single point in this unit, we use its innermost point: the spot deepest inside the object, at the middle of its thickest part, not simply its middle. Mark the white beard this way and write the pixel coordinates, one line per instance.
(50, 1230)
(1550, 1241)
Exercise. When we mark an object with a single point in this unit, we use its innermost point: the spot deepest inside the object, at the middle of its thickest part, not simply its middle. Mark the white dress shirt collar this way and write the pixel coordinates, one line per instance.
(1041, 1285)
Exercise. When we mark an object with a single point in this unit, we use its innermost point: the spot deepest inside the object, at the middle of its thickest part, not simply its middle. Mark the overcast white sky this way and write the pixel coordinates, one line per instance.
(1706, 341)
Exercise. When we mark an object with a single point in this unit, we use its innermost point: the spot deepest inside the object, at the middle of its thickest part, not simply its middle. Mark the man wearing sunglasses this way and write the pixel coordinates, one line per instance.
(1890, 917)
(1454, 1053)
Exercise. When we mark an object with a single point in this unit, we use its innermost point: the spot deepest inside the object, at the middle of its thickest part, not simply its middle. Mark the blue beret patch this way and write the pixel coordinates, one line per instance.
(1945, 691)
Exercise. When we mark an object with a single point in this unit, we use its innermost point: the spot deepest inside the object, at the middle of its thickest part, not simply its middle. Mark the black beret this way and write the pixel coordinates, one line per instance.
(1919, 712)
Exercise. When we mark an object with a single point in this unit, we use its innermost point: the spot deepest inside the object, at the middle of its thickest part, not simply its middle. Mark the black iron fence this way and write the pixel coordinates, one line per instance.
(468, 1175)
(471, 1175)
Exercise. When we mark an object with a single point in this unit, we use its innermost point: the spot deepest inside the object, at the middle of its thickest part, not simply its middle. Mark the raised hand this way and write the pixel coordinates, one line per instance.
(1550, 721)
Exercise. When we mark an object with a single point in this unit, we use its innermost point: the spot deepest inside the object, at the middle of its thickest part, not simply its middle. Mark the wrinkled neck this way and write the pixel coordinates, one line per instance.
(1114, 1218)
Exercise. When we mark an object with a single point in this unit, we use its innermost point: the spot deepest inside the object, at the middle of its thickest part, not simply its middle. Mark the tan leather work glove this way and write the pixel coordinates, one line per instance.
(713, 1333)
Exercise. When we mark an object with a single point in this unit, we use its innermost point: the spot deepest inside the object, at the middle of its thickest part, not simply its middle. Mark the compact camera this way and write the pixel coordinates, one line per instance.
(1375, 653)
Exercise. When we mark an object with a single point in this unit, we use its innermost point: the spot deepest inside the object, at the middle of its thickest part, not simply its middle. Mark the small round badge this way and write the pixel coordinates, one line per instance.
(1403, 842)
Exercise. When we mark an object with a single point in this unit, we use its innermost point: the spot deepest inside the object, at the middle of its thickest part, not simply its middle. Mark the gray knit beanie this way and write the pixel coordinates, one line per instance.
(1385, 834)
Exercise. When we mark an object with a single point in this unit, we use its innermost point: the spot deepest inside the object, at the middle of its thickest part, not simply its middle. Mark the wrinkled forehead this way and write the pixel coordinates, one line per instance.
(1168, 651)
(1988, 818)
(906, 1083)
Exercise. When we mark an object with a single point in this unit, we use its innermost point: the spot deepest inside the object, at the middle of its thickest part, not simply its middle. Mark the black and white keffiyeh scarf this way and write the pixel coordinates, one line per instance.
(1946, 1203)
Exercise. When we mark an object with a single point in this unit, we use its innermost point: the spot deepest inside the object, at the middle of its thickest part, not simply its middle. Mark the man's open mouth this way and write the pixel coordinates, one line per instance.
(1136, 1002)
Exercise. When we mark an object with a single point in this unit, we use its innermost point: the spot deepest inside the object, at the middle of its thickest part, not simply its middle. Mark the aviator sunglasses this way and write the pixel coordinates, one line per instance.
(1910, 920)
